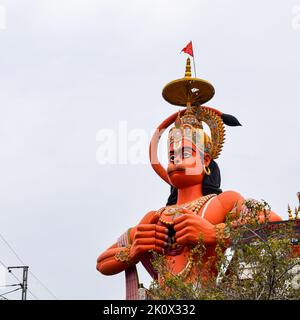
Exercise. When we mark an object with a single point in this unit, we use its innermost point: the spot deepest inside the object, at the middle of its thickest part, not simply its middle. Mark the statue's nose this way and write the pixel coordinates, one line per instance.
(177, 160)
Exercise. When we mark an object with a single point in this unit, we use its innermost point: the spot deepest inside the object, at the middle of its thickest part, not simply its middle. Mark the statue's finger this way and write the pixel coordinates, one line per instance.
(161, 229)
(146, 248)
(161, 235)
(145, 227)
(145, 234)
(151, 241)
(182, 240)
(159, 249)
(151, 234)
(182, 232)
(153, 247)
(180, 219)
(181, 225)
(161, 243)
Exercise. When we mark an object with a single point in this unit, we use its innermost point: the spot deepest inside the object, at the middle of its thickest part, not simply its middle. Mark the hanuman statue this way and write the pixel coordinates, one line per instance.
(196, 207)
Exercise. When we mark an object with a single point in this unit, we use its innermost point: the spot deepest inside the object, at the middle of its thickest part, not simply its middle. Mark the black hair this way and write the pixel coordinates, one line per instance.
(211, 184)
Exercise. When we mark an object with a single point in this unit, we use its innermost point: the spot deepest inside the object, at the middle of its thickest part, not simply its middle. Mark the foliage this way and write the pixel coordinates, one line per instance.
(259, 265)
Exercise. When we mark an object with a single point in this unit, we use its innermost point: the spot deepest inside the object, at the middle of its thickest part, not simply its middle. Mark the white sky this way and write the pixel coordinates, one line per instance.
(69, 68)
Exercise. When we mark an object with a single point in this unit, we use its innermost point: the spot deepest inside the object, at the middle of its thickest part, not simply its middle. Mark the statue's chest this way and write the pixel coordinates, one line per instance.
(179, 258)
(170, 213)
(166, 219)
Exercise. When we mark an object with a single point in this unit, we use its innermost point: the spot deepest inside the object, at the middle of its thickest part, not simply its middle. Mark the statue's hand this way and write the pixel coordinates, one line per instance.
(190, 227)
(148, 237)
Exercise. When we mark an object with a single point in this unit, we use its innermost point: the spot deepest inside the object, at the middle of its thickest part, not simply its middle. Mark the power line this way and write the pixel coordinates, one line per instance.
(33, 275)
(4, 294)
(36, 298)
(43, 285)
(11, 272)
(3, 264)
(12, 249)
(10, 285)
(20, 282)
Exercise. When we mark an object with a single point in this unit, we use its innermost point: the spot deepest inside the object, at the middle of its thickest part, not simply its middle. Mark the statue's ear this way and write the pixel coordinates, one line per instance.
(207, 159)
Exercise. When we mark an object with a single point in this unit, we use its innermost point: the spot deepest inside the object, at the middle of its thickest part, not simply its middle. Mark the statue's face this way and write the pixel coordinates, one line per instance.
(186, 164)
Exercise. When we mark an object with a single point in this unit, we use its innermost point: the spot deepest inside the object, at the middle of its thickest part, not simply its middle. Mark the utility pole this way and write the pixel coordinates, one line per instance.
(25, 278)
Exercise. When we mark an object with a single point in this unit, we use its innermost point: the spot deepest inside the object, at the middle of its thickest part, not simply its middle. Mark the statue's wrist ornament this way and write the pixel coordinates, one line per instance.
(124, 254)
(222, 232)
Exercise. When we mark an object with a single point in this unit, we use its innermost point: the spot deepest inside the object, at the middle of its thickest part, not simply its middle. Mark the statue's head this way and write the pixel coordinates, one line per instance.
(186, 164)
(190, 150)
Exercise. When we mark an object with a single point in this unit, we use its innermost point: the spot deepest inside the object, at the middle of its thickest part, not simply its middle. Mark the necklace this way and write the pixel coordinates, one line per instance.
(168, 214)
(176, 210)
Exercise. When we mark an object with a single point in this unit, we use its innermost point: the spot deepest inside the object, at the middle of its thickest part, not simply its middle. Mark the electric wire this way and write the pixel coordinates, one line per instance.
(11, 248)
(32, 274)
(19, 284)
(34, 296)
(3, 264)
(43, 285)
(4, 294)
(10, 285)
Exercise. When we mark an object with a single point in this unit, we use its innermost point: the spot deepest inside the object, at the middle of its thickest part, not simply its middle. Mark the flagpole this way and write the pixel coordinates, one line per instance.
(194, 67)
(194, 63)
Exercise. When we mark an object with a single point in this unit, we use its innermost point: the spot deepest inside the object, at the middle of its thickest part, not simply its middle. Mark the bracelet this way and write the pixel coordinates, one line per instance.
(123, 255)
(222, 231)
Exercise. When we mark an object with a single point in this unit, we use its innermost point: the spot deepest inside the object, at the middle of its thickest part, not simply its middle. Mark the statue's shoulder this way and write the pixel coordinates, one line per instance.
(230, 199)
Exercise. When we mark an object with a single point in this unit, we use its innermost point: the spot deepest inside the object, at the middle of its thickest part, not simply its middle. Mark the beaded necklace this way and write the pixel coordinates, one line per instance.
(175, 211)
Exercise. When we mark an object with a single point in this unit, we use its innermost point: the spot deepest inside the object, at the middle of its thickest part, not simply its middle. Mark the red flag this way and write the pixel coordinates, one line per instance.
(189, 49)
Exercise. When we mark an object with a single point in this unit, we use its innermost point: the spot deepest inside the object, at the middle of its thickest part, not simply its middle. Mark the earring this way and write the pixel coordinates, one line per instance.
(207, 170)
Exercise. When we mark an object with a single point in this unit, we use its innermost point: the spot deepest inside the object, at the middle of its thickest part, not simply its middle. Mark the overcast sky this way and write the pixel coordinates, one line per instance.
(71, 68)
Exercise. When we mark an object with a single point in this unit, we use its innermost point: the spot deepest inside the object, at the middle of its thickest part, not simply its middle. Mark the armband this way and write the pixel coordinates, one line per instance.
(123, 255)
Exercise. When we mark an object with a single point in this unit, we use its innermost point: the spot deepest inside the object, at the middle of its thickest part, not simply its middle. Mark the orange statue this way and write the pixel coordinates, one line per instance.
(196, 206)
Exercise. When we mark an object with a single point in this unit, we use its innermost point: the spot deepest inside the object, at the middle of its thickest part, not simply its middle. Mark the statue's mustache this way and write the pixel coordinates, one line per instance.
(176, 168)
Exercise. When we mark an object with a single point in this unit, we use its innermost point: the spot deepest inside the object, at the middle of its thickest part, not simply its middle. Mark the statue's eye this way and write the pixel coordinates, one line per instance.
(186, 154)
(172, 158)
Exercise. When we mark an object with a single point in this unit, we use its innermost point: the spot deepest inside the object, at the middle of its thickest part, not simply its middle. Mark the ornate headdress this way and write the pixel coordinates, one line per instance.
(190, 127)
(192, 93)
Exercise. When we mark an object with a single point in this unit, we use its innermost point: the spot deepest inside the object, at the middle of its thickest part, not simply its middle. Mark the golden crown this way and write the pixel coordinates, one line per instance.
(192, 92)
